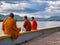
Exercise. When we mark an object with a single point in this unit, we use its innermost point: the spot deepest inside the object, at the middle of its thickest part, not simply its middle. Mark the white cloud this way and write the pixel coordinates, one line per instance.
(53, 7)
(27, 14)
(18, 6)
(36, 0)
(37, 14)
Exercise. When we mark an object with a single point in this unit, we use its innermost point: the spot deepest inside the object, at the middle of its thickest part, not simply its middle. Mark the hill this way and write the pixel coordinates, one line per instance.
(17, 17)
(54, 18)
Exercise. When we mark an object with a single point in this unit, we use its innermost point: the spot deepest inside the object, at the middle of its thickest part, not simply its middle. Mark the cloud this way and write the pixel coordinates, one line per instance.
(7, 6)
(23, 7)
(36, 8)
(54, 8)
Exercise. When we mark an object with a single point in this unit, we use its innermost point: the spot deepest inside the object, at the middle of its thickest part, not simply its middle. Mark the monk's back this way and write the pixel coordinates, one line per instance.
(8, 25)
(27, 25)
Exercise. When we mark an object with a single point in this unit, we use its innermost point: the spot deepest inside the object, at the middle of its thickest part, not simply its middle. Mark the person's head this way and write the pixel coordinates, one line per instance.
(11, 15)
(25, 17)
(32, 18)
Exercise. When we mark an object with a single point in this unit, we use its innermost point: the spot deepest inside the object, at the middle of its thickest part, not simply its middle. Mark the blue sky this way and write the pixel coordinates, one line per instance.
(36, 8)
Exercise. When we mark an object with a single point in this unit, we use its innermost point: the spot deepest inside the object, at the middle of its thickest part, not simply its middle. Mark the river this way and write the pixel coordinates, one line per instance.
(41, 24)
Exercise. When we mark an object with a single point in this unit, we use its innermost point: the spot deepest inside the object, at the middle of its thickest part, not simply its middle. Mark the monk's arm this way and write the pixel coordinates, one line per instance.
(14, 27)
(25, 23)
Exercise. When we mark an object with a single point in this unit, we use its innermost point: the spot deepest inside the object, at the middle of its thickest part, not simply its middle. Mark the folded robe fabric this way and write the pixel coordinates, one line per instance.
(9, 27)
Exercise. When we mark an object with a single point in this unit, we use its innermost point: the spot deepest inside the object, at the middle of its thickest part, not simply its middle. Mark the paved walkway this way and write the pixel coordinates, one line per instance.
(52, 39)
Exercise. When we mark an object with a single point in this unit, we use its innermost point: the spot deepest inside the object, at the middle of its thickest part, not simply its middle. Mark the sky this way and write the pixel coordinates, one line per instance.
(36, 8)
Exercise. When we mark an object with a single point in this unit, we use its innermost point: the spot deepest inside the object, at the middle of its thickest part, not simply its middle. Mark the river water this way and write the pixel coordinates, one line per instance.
(41, 24)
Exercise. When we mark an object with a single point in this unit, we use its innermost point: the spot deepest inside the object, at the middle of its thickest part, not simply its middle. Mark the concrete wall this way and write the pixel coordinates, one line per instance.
(25, 36)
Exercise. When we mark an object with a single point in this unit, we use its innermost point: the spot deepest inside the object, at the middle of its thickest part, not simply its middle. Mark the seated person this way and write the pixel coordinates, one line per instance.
(33, 24)
(27, 24)
(9, 26)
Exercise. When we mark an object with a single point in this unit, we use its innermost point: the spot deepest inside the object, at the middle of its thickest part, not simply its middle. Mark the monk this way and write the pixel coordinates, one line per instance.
(34, 24)
(9, 26)
(27, 24)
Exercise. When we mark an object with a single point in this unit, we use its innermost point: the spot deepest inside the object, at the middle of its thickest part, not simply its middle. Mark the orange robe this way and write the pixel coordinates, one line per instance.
(27, 25)
(9, 27)
(34, 25)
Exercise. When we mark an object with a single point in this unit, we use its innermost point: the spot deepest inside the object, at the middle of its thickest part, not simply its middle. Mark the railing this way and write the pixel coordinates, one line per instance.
(25, 36)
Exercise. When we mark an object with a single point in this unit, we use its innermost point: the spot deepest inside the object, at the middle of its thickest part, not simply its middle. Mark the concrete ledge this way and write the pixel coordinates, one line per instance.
(25, 36)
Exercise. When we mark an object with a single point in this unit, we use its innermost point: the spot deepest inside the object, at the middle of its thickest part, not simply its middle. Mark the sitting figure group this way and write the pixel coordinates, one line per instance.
(9, 26)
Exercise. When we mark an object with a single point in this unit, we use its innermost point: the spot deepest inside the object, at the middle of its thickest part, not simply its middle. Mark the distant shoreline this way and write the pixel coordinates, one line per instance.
(37, 20)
